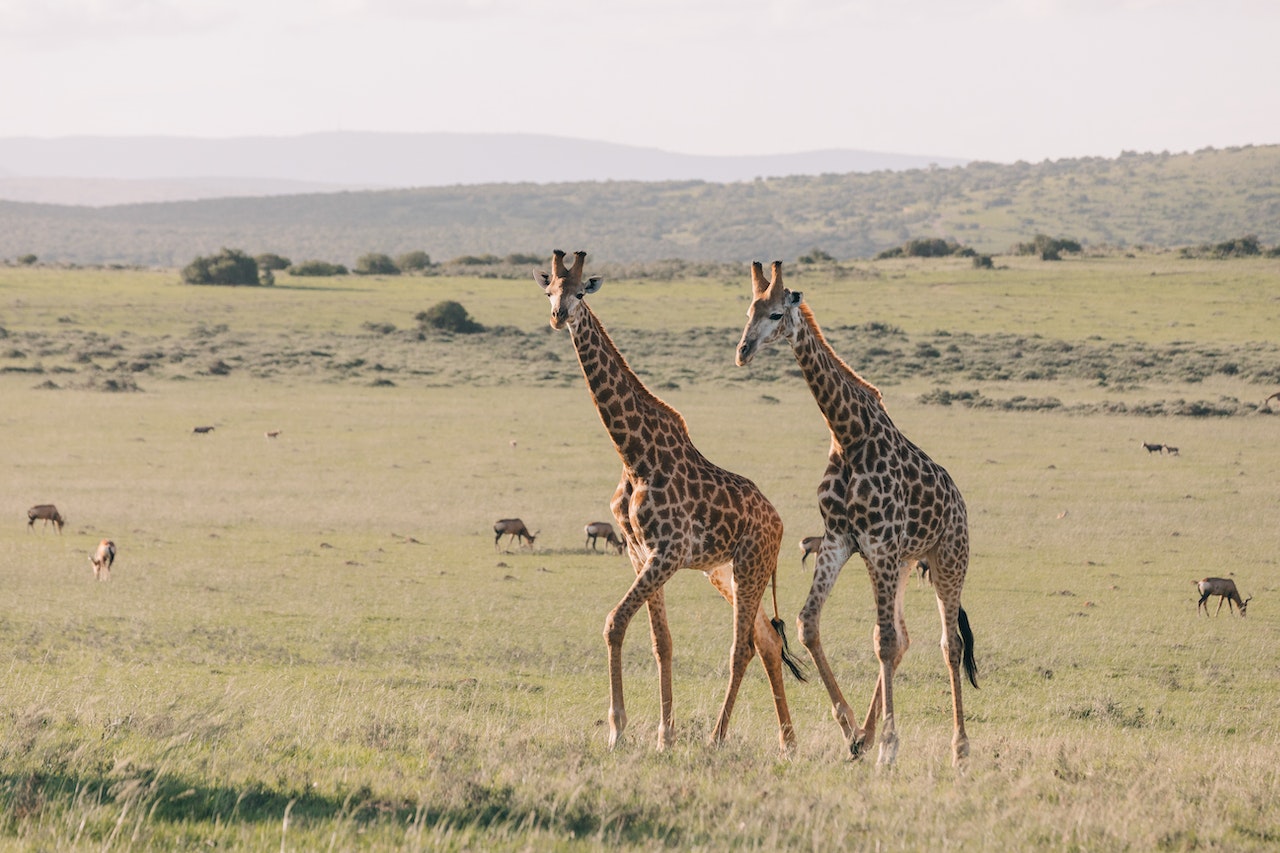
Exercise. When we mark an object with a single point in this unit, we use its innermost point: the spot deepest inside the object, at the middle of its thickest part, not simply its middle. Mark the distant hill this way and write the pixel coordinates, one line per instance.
(122, 170)
(1155, 200)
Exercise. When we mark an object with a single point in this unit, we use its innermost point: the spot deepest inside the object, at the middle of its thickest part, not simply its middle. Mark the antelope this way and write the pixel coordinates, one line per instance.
(271, 433)
(203, 430)
(103, 558)
(49, 513)
(1172, 451)
(1225, 589)
(809, 545)
(603, 528)
(514, 528)
(1153, 448)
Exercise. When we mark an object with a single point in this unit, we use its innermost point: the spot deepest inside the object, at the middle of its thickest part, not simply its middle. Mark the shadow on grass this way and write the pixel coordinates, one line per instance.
(35, 796)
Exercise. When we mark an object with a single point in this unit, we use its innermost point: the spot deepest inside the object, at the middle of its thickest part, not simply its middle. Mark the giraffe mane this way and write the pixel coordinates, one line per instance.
(806, 313)
(642, 390)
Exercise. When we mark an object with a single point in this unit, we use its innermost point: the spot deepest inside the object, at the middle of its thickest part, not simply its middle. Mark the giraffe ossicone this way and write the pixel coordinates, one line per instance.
(882, 496)
(676, 510)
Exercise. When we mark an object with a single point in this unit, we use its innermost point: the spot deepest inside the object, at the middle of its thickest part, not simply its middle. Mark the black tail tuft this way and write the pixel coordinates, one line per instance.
(966, 636)
(789, 659)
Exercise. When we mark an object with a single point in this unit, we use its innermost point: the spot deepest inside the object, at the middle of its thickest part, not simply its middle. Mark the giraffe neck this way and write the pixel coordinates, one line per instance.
(851, 405)
(632, 415)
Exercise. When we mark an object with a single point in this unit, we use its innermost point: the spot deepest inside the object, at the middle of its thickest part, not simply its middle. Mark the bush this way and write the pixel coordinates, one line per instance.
(448, 316)
(815, 256)
(413, 261)
(28, 260)
(317, 268)
(926, 247)
(272, 261)
(229, 266)
(518, 259)
(1048, 248)
(476, 260)
(375, 263)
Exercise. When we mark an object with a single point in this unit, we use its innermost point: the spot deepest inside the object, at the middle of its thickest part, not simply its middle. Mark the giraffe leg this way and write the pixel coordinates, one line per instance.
(746, 604)
(769, 644)
(661, 635)
(952, 651)
(890, 641)
(832, 555)
(649, 580)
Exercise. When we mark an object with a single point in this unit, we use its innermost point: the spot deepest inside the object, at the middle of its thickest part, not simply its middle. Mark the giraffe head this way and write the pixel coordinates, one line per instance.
(565, 286)
(774, 311)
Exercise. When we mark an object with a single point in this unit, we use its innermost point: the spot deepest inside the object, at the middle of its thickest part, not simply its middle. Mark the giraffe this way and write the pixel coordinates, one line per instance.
(676, 510)
(881, 495)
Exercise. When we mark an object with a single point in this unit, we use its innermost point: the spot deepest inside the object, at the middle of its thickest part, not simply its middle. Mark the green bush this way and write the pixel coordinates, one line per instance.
(272, 261)
(448, 316)
(375, 263)
(228, 267)
(317, 268)
(1048, 248)
(413, 261)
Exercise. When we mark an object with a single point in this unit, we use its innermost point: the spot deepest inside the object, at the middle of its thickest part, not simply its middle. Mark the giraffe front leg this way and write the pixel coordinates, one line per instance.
(832, 555)
(661, 636)
(891, 644)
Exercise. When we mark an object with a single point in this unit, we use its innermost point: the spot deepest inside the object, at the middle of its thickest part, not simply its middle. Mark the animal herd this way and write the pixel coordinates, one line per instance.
(102, 557)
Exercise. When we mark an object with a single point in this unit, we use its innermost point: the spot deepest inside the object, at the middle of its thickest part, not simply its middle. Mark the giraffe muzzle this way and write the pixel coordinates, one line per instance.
(746, 350)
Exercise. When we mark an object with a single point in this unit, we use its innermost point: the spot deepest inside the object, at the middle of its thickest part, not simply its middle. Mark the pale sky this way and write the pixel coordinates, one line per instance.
(999, 80)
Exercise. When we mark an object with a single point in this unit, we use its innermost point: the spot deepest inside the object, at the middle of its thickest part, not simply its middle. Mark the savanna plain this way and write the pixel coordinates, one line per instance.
(311, 642)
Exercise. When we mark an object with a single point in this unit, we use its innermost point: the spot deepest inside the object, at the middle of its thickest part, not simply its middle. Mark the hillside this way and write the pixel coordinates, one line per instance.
(1157, 200)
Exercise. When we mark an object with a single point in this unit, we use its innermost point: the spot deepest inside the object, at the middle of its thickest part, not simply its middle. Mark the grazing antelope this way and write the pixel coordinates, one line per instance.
(1267, 402)
(203, 430)
(103, 558)
(1153, 448)
(809, 545)
(1225, 589)
(603, 528)
(271, 433)
(514, 528)
(47, 512)
(1172, 451)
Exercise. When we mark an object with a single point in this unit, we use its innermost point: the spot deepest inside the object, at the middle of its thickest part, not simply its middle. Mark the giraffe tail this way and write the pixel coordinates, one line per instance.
(966, 636)
(791, 661)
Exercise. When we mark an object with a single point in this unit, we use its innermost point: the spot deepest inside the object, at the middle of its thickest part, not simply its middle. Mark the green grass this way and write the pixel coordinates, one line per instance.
(310, 642)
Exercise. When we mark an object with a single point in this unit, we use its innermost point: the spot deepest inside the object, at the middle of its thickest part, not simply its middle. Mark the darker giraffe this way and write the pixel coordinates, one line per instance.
(881, 495)
(676, 511)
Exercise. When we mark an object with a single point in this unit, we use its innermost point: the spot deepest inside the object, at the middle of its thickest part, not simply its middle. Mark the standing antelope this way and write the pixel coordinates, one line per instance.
(103, 558)
(1152, 448)
(809, 545)
(603, 528)
(1225, 589)
(514, 528)
(49, 513)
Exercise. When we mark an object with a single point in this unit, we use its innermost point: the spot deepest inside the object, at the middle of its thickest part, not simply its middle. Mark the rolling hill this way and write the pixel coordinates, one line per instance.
(1153, 200)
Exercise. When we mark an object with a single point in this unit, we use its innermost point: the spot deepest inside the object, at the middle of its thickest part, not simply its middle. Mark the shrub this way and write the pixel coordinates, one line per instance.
(815, 256)
(448, 316)
(1048, 248)
(413, 261)
(476, 260)
(375, 263)
(926, 247)
(317, 268)
(518, 259)
(27, 260)
(229, 266)
(272, 261)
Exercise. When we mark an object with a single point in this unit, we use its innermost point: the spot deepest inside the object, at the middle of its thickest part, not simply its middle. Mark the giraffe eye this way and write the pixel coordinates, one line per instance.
(579, 294)
(775, 317)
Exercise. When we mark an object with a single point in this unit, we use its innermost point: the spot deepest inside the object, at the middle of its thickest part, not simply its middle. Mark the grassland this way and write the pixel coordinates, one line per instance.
(310, 642)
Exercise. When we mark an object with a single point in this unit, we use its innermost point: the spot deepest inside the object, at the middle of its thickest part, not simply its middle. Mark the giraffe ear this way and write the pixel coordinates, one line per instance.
(793, 298)
(543, 280)
(593, 284)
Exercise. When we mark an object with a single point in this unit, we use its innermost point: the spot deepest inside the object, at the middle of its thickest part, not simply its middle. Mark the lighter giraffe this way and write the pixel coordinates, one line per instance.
(881, 495)
(676, 510)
